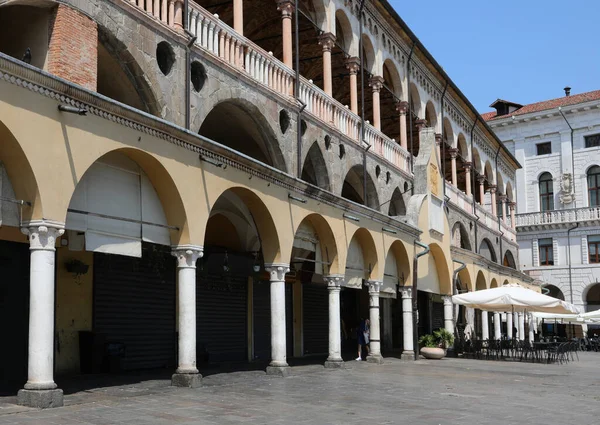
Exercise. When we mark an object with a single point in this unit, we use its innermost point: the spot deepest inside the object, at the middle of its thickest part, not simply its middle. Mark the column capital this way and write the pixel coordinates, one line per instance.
(327, 40)
(334, 281)
(42, 234)
(286, 7)
(481, 178)
(493, 188)
(402, 107)
(187, 255)
(503, 198)
(406, 292)
(447, 299)
(467, 166)
(512, 205)
(376, 83)
(453, 153)
(277, 271)
(374, 286)
(353, 64)
(438, 139)
(421, 124)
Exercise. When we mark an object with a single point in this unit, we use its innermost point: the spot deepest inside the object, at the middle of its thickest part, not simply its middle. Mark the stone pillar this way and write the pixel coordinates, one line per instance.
(286, 7)
(503, 199)
(438, 147)
(497, 326)
(402, 108)
(408, 352)
(467, 167)
(334, 360)
(353, 65)
(421, 124)
(493, 189)
(327, 41)
(521, 326)
(238, 16)
(376, 84)
(374, 339)
(470, 315)
(40, 390)
(531, 321)
(485, 327)
(516, 325)
(509, 325)
(178, 15)
(278, 365)
(453, 155)
(186, 374)
(513, 223)
(481, 180)
(448, 314)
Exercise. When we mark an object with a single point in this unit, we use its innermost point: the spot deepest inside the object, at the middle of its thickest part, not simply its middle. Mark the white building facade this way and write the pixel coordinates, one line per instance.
(558, 191)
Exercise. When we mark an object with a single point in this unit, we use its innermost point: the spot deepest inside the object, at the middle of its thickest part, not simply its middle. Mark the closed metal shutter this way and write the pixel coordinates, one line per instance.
(14, 314)
(134, 304)
(221, 314)
(315, 313)
(437, 315)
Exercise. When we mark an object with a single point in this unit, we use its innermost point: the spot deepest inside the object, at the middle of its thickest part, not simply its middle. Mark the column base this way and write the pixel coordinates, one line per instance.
(186, 380)
(41, 399)
(334, 364)
(407, 355)
(377, 359)
(282, 371)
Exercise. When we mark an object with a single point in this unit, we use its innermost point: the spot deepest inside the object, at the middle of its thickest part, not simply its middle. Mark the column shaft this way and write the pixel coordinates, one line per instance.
(468, 179)
(521, 326)
(376, 84)
(497, 326)
(493, 199)
(375, 335)
(238, 16)
(335, 340)
(278, 333)
(485, 328)
(353, 65)
(509, 325)
(327, 41)
(407, 325)
(448, 314)
(481, 180)
(453, 155)
(286, 8)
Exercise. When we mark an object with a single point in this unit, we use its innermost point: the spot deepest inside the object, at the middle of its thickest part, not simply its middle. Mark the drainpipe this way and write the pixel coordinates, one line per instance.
(572, 156)
(455, 292)
(297, 93)
(410, 111)
(188, 65)
(415, 304)
(498, 218)
(443, 150)
(477, 218)
(362, 101)
(569, 257)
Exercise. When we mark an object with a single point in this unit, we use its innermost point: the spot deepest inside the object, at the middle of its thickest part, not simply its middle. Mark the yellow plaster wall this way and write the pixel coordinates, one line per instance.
(73, 309)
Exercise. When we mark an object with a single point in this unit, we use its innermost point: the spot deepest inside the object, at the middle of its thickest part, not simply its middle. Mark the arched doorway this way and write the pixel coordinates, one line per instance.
(553, 291)
(592, 297)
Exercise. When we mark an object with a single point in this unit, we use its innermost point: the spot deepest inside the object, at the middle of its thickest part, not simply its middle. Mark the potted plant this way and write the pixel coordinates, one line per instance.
(434, 345)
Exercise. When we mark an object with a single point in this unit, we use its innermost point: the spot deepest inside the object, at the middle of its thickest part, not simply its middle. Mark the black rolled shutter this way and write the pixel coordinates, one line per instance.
(437, 315)
(262, 321)
(315, 306)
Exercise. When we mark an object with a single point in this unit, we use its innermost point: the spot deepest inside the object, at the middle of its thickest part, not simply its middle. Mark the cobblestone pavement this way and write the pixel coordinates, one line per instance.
(450, 391)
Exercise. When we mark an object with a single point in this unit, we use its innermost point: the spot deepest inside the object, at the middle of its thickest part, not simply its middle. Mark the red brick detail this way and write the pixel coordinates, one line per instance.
(73, 47)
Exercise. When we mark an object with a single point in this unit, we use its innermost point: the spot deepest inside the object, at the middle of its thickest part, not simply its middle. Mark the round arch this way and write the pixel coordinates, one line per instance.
(509, 260)
(591, 296)
(480, 283)
(402, 262)
(460, 236)
(509, 192)
(494, 283)
(344, 33)
(553, 291)
(486, 249)
(442, 268)
(248, 131)
(363, 239)
(314, 170)
(397, 205)
(448, 133)
(489, 173)
(353, 190)
(500, 184)
(477, 164)
(20, 174)
(505, 282)
(415, 100)
(327, 242)
(392, 78)
(431, 115)
(466, 283)
(369, 54)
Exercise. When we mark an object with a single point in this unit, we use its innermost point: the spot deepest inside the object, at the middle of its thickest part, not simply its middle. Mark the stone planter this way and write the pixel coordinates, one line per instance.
(434, 353)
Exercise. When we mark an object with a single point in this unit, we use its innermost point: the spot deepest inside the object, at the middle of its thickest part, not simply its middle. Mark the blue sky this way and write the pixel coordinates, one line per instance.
(523, 51)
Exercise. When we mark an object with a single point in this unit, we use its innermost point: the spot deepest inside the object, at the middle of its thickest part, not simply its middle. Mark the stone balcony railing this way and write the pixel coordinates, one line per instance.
(465, 202)
(558, 217)
(218, 39)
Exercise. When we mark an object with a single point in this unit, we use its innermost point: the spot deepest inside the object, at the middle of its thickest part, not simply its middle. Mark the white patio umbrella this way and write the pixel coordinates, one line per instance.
(577, 319)
(515, 298)
(592, 315)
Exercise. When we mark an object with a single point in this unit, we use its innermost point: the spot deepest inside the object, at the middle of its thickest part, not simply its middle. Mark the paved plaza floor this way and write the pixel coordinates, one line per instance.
(450, 391)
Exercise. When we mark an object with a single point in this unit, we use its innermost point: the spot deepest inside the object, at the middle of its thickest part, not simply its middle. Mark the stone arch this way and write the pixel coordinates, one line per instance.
(509, 260)
(20, 174)
(509, 192)
(162, 182)
(494, 283)
(448, 133)
(397, 206)
(476, 159)
(314, 170)
(400, 254)
(353, 188)
(369, 54)
(329, 252)
(120, 77)
(553, 291)
(392, 78)
(415, 100)
(345, 33)
(505, 282)
(486, 250)
(318, 12)
(480, 283)
(460, 236)
(500, 183)
(465, 281)
(442, 268)
(489, 173)
(461, 145)
(369, 251)
(269, 241)
(246, 123)
(591, 296)
(431, 115)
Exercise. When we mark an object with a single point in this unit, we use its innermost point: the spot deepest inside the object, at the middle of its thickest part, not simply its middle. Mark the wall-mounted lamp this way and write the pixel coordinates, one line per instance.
(72, 110)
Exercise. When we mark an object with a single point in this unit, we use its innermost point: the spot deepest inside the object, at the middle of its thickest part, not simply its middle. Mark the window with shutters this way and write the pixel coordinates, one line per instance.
(546, 254)
(594, 249)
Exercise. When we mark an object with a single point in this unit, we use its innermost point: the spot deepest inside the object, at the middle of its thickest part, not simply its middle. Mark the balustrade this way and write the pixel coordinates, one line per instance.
(558, 216)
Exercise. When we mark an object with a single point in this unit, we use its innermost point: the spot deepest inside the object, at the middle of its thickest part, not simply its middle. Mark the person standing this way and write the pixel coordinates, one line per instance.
(363, 338)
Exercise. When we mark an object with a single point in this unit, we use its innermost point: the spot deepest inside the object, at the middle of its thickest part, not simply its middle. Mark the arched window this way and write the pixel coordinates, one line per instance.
(546, 192)
(593, 179)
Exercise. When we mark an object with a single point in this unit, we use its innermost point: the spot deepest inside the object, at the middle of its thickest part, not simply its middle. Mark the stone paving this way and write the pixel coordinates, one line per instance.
(450, 391)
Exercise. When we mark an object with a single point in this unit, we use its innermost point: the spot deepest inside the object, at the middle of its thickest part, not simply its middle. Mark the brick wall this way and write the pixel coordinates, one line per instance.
(73, 47)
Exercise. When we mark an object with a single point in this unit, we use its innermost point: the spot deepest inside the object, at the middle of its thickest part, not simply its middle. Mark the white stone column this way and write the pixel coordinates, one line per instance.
(521, 326)
(278, 365)
(532, 324)
(375, 335)
(408, 352)
(186, 374)
(448, 314)
(40, 390)
(497, 326)
(485, 328)
(334, 283)
(509, 325)
(470, 313)
(516, 325)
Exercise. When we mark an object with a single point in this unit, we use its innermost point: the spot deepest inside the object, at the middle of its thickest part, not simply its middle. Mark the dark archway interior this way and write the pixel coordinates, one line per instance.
(397, 206)
(314, 170)
(487, 250)
(554, 292)
(509, 260)
(353, 188)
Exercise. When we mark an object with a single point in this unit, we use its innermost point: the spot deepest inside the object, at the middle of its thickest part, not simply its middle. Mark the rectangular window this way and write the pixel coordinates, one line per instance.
(594, 249)
(592, 141)
(544, 148)
(546, 254)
